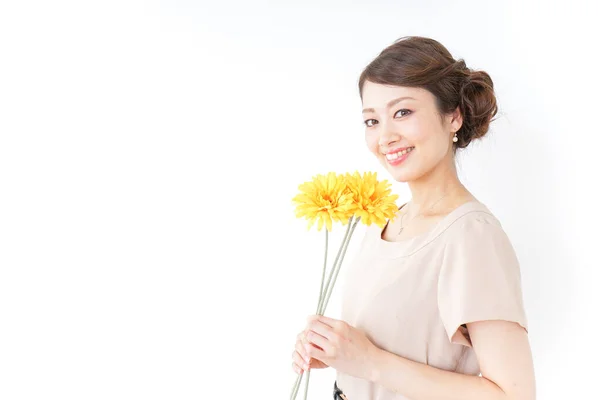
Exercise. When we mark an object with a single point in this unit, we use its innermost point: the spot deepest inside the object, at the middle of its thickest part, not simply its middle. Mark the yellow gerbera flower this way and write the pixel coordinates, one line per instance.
(372, 199)
(324, 199)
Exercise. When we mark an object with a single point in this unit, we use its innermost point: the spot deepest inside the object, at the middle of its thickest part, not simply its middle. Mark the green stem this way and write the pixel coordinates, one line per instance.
(319, 309)
(338, 267)
(296, 387)
(321, 294)
(306, 384)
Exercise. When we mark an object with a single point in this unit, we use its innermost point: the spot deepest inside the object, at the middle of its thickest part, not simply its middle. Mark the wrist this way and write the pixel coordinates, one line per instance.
(377, 361)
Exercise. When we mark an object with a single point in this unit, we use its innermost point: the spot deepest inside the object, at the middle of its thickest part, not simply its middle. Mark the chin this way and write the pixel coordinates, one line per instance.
(401, 177)
(398, 175)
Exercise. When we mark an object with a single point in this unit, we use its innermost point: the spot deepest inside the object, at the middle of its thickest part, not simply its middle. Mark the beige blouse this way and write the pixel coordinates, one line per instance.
(413, 296)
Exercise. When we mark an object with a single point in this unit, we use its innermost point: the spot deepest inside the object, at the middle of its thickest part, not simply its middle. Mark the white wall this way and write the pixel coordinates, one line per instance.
(149, 152)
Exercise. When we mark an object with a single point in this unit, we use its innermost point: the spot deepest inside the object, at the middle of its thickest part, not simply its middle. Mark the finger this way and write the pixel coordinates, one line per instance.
(333, 323)
(305, 341)
(317, 354)
(300, 361)
(321, 343)
(300, 335)
(300, 349)
(322, 329)
(296, 368)
(311, 318)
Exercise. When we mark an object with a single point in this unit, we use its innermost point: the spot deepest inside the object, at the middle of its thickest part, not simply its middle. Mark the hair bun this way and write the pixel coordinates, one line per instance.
(478, 106)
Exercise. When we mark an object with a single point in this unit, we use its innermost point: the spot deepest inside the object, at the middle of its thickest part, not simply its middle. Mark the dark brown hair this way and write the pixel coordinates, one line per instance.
(417, 61)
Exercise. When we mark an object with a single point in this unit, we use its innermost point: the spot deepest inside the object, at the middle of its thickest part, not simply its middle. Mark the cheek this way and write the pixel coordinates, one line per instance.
(372, 142)
(416, 132)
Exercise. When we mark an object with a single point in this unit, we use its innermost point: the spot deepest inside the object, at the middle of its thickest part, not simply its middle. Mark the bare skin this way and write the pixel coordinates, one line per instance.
(414, 226)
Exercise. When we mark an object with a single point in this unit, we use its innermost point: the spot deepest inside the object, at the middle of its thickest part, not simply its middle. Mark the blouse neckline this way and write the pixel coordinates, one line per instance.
(405, 247)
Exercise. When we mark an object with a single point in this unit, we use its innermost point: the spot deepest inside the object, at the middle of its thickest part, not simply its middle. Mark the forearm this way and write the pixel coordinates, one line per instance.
(423, 382)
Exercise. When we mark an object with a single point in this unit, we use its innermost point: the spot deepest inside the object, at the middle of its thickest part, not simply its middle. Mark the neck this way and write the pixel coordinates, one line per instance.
(439, 182)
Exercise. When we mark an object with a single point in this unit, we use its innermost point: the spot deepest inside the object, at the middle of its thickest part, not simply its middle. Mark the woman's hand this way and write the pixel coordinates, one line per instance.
(300, 360)
(341, 346)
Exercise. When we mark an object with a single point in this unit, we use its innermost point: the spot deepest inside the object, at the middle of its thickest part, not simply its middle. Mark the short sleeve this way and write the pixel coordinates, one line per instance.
(480, 277)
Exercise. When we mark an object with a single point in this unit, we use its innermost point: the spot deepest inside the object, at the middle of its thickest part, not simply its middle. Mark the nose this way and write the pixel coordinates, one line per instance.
(387, 138)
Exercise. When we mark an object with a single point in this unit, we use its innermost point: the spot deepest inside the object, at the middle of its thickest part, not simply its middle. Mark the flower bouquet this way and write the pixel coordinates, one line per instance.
(347, 199)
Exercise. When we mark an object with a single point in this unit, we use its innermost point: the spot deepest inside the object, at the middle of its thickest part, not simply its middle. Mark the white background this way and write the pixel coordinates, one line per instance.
(149, 152)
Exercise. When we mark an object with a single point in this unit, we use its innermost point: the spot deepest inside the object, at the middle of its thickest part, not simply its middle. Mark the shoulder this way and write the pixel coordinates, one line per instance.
(479, 235)
(475, 221)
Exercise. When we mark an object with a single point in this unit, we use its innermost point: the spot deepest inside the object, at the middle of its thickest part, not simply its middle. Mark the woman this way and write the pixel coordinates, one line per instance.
(432, 305)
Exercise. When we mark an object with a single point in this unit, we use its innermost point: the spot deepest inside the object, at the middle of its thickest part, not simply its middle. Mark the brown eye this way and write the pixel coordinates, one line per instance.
(366, 122)
(403, 109)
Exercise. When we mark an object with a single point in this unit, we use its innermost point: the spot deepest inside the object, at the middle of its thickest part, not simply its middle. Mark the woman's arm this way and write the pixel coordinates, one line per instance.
(504, 356)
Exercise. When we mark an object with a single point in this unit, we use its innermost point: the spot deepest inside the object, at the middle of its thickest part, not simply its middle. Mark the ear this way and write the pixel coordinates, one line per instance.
(456, 120)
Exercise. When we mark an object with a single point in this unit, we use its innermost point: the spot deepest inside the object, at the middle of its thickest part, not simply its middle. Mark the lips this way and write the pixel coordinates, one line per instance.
(399, 150)
(396, 156)
(395, 153)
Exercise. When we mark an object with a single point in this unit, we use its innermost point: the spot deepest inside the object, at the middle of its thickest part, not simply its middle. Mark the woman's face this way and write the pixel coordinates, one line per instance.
(398, 117)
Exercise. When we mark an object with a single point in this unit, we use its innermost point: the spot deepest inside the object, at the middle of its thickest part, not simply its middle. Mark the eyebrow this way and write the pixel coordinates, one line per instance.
(390, 103)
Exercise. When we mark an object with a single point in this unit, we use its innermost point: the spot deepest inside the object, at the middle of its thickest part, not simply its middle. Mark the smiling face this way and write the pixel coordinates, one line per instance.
(397, 118)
